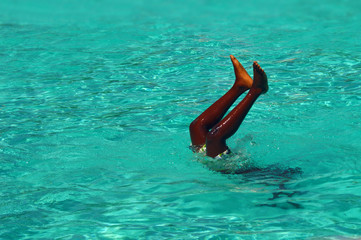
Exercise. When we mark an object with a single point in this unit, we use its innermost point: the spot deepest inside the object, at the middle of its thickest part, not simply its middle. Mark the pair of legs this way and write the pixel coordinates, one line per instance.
(210, 129)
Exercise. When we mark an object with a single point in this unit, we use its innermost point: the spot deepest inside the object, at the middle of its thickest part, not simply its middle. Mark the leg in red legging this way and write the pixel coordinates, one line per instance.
(216, 138)
(200, 127)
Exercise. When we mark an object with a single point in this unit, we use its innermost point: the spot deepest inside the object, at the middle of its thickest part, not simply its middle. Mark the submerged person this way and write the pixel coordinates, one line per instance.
(209, 131)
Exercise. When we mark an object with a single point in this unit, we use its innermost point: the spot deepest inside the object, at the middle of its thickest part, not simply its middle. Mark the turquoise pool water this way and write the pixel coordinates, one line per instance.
(96, 98)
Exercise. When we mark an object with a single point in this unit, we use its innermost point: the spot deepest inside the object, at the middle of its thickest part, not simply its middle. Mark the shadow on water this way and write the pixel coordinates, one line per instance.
(277, 176)
(239, 165)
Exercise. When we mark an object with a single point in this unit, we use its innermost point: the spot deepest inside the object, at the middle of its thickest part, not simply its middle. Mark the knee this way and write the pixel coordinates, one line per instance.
(214, 135)
(215, 143)
(195, 125)
(197, 133)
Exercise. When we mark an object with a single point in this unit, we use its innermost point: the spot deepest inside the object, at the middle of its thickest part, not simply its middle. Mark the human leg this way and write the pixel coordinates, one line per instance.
(216, 138)
(200, 127)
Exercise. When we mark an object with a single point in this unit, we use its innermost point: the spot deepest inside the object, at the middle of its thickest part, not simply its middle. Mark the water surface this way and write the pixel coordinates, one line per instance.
(96, 98)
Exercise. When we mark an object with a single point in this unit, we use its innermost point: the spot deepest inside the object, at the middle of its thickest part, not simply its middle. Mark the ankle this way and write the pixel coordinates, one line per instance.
(256, 90)
(238, 88)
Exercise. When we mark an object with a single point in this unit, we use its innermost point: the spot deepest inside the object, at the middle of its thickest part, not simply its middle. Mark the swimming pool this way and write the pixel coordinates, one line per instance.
(96, 98)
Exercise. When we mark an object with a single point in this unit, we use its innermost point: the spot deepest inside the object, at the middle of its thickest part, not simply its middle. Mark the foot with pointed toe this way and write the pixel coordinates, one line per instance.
(243, 80)
(259, 78)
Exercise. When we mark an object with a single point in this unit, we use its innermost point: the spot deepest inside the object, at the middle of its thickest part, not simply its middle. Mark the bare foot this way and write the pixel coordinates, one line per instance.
(259, 78)
(243, 79)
